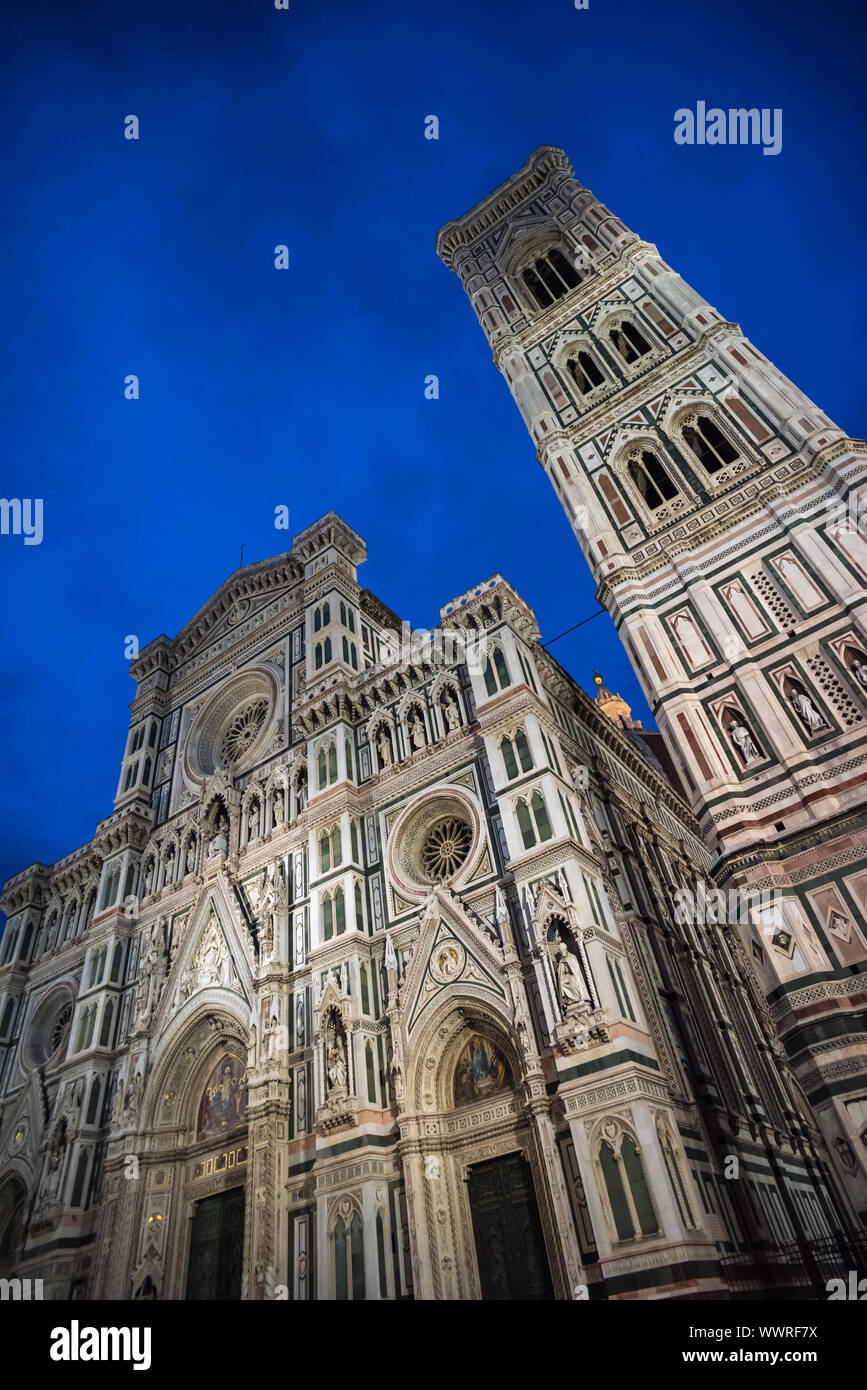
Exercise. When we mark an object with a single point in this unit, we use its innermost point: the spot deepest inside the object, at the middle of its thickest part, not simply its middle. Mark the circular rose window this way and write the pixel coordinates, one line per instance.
(445, 847)
(437, 839)
(243, 731)
(49, 1029)
(233, 728)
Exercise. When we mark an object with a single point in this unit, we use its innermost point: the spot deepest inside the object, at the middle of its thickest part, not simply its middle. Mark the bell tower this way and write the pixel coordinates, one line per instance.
(718, 509)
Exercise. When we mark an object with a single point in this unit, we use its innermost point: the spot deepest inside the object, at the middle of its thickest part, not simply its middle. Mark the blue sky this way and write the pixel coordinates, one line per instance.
(305, 387)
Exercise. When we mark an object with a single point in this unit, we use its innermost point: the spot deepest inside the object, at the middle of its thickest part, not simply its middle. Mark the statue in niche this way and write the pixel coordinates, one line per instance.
(299, 1022)
(805, 709)
(337, 1068)
(383, 748)
(451, 711)
(397, 1082)
(150, 976)
(570, 980)
(149, 877)
(858, 668)
(279, 808)
(301, 794)
(132, 1097)
(253, 821)
(270, 1037)
(417, 730)
(268, 914)
(190, 862)
(219, 843)
(743, 740)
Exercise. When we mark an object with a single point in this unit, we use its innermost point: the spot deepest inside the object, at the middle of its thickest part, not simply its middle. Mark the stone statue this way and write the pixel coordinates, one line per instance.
(132, 1097)
(301, 794)
(149, 877)
(417, 731)
(383, 748)
(570, 981)
(859, 670)
(279, 807)
(219, 843)
(337, 1070)
(267, 915)
(804, 706)
(744, 741)
(253, 821)
(397, 1082)
(190, 862)
(452, 713)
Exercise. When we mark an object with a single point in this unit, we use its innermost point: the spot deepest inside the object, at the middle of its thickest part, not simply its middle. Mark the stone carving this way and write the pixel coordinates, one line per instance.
(417, 730)
(452, 713)
(219, 843)
(806, 710)
(571, 987)
(744, 741)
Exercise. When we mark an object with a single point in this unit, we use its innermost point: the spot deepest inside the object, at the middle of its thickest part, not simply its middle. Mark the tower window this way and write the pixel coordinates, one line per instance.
(709, 444)
(584, 372)
(651, 480)
(629, 342)
(550, 277)
(326, 614)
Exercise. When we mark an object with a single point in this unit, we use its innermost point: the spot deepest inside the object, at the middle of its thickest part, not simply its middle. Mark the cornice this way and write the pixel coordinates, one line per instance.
(502, 201)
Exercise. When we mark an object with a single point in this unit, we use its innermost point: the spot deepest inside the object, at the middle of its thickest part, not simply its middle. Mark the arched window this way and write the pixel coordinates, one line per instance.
(347, 750)
(105, 1030)
(623, 1223)
(525, 825)
(327, 648)
(351, 621)
(91, 1024)
(326, 614)
(318, 655)
(343, 612)
(522, 748)
(709, 444)
(630, 344)
(353, 655)
(322, 769)
(353, 838)
(348, 1259)
(93, 1102)
(651, 480)
(115, 962)
(332, 763)
(675, 1177)
(346, 650)
(540, 816)
(336, 846)
(327, 919)
(365, 988)
(639, 1191)
(317, 620)
(339, 912)
(509, 758)
(496, 672)
(626, 1186)
(371, 1072)
(550, 277)
(359, 917)
(324, 852)
(584, 372)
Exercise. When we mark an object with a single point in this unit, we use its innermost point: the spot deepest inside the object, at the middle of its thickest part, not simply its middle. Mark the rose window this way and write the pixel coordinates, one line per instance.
(60, 1029)
(243, 731)
(445, 847)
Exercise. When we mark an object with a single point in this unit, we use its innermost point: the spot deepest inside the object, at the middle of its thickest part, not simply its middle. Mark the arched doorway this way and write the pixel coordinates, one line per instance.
(215, 1260)
(483, 1218)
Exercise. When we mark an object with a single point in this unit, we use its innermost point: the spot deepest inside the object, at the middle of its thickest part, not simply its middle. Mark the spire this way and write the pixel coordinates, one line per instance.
(618, 711)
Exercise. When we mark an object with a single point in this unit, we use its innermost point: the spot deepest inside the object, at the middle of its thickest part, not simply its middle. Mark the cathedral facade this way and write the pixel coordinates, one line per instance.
(371, 985)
